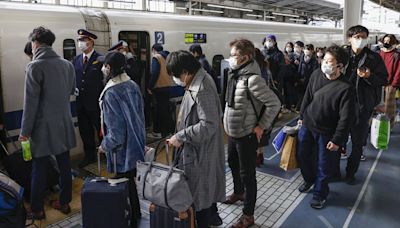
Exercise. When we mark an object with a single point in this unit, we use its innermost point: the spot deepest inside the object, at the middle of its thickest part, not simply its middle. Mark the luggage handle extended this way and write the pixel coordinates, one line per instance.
(99, 162)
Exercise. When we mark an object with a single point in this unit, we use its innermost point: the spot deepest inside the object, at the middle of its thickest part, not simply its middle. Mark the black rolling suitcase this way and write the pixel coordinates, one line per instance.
(161, 217)
(21, 171)
(104, 205)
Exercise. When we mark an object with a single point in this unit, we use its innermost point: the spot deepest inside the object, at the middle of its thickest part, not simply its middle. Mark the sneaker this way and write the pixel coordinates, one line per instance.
(317, 203)
(343, 156)
(305, 187)
(154, 135)
(244, 222)
(363, 158)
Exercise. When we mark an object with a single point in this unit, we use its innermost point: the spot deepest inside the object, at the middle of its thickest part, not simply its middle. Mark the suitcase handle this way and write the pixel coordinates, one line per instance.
(99, 162)
(10, 140)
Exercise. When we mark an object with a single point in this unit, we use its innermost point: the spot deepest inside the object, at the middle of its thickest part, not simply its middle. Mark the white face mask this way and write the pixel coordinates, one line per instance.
(307, 52)
(359, 43)
(307, 58)
(105, 70)
(233, 63)
(82, 45)
(327, 69)
(297, 50)
(269, 44)
(320, 54)
(289, 49)
(178, 81)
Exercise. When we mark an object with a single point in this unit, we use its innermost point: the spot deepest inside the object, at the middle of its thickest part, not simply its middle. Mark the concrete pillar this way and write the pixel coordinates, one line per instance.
(352, 15)
(144, 5)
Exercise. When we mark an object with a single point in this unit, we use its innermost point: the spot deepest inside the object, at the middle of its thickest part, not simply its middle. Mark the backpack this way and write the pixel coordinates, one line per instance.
(12, 210)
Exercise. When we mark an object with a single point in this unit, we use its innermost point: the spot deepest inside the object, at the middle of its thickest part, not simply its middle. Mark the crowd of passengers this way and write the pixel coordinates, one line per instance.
(334, 89)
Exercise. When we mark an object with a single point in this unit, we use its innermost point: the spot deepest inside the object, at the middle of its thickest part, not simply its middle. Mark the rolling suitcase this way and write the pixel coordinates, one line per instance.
(105, 205)
(165, 217)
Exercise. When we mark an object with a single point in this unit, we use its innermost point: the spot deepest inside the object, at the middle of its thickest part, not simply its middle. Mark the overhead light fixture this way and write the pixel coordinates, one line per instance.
(229, 7)
(210, 11)
(254, 15)
(182, 8)
(284, 14)
(293, 19)
(272, 17)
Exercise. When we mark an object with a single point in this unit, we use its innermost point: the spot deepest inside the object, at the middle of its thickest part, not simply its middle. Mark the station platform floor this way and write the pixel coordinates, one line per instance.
(372, 202)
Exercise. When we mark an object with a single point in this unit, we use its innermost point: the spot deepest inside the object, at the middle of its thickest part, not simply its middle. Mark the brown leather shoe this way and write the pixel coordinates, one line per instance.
(65, 209)
(234, 198)
(35, 215)
(244, 222)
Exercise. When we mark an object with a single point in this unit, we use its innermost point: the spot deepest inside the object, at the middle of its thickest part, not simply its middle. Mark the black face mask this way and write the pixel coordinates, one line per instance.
(386, 45)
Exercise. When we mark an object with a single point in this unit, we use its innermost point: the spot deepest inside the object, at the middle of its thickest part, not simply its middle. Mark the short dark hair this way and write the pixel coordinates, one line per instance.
(339, 53)
(299, 43)
(290, 43)
(393, 39)
(28, 48)
(309, 47)
(178, 61)
(196, 48)
(157, 47)
(357, 29)
(42, 35)
(243, 46)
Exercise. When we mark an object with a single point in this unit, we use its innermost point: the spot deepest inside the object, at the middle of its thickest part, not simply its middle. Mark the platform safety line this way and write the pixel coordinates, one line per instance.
(325, 221)
(362, 192)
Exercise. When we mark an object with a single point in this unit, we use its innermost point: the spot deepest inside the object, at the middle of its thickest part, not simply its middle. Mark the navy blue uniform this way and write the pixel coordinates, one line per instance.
(89, 81)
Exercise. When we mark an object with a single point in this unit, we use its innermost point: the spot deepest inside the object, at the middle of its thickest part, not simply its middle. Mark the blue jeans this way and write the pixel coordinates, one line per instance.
(326, 160)
(39, 176)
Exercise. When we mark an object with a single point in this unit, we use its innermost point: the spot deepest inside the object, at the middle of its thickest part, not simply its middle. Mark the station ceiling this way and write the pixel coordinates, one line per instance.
(390, 4)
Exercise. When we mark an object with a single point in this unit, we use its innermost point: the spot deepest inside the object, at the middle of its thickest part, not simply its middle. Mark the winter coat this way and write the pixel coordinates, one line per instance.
(241, 119)
(47, 119)
(122, 115)
(200, 130)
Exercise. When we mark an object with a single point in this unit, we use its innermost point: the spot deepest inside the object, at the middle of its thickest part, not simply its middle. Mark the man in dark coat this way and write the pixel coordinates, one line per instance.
(47, 120)
(367, 72)
(89, 81)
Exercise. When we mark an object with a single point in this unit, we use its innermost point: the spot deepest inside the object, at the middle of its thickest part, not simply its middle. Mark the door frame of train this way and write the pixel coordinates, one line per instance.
(1, 88)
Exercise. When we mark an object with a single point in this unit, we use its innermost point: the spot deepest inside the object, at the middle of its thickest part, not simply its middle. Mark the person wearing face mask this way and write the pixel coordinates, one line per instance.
(47, 120)
(200, 135)
(367, 73)
(391, 58)
(89, 83)
(132, 64)
(159, 87)
(123, 124)
(273, 55)
(308, 64)
(288, 76)
(326, 115)
(247, 94)
(320, 54)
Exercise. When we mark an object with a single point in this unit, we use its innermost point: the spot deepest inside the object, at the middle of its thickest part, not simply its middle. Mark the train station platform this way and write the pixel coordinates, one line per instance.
(371, 202)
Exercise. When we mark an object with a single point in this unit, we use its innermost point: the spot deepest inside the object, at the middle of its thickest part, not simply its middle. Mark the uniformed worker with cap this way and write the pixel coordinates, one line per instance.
(89, 82)
(132, 68)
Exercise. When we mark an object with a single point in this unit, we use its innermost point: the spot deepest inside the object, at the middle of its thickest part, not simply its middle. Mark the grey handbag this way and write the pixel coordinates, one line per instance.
(163, 185)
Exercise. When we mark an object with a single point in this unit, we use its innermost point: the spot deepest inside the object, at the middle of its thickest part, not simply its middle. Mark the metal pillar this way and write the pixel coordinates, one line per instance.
(144, 5)
(352, 15)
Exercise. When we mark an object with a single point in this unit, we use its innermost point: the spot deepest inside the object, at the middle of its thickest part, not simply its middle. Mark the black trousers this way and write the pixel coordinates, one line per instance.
(89, 125)
(242, 154)
(40, 168)
(359, 134)
(133, 196)
(163, 122)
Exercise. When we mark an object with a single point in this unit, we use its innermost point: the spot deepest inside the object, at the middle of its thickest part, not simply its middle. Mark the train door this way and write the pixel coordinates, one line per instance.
(97, 23)
(139, 46)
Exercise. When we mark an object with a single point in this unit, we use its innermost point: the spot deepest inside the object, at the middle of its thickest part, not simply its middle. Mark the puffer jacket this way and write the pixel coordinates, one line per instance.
(241, 119)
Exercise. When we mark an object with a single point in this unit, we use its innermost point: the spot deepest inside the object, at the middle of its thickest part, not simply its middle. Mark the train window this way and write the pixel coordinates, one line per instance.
(69, 49)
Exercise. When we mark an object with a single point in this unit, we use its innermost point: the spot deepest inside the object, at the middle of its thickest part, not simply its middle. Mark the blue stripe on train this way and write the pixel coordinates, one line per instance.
(13, 119)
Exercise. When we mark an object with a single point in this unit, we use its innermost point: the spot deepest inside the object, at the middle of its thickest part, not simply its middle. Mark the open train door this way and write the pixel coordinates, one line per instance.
(139, 45)
(97, 23)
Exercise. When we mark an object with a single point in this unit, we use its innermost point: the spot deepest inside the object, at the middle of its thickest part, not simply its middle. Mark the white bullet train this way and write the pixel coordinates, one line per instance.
(139, 29)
